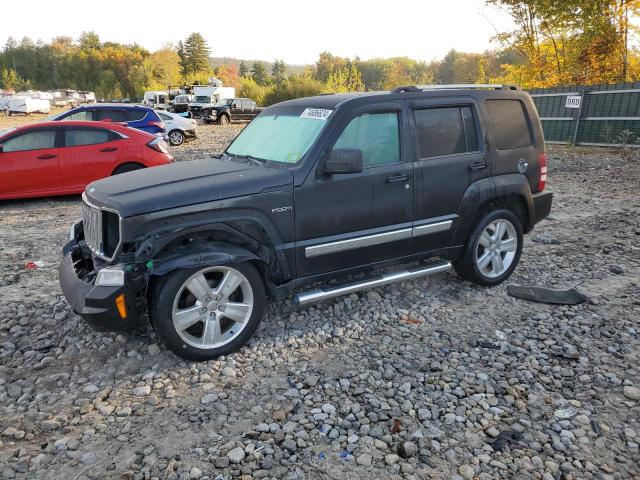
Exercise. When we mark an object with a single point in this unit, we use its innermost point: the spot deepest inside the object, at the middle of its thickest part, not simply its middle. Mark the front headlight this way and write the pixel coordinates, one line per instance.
(110, 277)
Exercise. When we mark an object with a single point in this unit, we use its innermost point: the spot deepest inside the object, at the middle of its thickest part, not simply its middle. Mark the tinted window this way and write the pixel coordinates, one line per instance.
(509, 123)
(81, 115)
(164, 117)
(376, 135)
(74, 138)
(30, 141)
(446, 131)
(113, 115)
(440, 131)
(135, 115)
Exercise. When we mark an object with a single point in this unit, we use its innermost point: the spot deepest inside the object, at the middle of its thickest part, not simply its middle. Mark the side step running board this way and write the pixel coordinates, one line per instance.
(324, 293)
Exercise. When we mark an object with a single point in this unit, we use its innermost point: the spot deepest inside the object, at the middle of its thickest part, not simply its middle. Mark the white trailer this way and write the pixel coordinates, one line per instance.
(26, 105)
(156, 99)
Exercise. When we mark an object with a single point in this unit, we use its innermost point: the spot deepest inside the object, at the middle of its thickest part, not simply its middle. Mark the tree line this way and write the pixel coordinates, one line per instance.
(552, 43)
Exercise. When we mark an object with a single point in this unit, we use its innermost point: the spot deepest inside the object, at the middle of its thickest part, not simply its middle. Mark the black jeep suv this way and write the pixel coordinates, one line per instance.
(386, 185)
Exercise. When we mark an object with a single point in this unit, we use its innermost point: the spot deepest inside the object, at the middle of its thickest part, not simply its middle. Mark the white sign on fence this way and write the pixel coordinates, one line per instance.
(573, 101)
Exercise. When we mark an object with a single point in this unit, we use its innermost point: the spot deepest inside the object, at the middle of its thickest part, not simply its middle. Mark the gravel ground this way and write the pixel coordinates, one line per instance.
(434, 378)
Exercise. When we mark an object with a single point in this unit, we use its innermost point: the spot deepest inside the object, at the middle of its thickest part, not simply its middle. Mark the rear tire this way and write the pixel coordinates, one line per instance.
(127, 167)
(493, 248)
(202, 313)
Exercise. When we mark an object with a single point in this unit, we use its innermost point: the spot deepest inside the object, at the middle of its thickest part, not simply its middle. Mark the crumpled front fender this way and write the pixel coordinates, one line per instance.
(193, 256)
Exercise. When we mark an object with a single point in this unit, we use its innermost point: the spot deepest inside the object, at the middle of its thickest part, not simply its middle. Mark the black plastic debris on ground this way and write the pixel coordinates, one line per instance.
(547, 295)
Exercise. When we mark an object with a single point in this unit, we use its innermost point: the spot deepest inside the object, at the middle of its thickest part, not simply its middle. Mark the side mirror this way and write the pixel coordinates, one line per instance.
(343, 160)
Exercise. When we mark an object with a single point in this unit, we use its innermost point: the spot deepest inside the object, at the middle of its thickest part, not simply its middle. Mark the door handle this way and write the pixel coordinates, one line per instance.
(478, 165)
(109, 149)
(399, 178)
(46, 156)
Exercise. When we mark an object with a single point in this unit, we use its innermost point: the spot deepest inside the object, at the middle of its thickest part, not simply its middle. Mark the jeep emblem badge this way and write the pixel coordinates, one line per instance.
(522, 165)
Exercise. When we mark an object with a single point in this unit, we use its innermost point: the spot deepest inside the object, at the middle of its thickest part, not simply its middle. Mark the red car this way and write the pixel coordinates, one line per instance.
(60, 158)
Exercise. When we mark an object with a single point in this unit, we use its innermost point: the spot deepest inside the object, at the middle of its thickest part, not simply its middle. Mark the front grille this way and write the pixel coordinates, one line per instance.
(101, 230)
(92, 222)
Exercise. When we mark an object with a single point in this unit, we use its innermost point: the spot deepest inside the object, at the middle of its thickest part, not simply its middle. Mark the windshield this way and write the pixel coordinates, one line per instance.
(181, 99)
(202, 99)
(280, 136)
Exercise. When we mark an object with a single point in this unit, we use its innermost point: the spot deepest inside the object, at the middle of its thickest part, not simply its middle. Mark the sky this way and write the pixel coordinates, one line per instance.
(294, 31)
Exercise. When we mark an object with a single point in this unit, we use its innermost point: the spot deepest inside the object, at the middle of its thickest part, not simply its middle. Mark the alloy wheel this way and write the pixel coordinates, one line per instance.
(496, 248)
(176, 138)
(212, 307)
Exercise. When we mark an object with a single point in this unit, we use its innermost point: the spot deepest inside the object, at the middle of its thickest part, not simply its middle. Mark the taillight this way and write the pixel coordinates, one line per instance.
(159, 145)
(160, 125)
(542, 166)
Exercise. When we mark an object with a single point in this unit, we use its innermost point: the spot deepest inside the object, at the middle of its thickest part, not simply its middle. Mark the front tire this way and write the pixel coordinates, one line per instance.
(176, 138)
(493, 248)
(224, 120)
(202, 313)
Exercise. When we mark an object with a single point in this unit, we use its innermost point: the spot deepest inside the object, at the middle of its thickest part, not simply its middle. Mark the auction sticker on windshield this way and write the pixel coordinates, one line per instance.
(316, 113)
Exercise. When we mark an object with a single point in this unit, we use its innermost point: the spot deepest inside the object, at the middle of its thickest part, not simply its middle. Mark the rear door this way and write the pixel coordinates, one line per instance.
(356, 219)
(87, 154)
(450, 155)
(237, 109)
(29, 163)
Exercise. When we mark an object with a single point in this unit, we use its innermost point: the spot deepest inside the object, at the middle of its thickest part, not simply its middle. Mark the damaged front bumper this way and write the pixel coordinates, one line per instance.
(106, 308)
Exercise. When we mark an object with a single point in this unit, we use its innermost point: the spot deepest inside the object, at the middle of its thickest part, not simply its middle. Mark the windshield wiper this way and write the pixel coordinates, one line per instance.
(255, 160)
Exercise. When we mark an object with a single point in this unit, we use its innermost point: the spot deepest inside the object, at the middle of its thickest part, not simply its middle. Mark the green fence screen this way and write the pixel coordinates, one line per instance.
(606, 115)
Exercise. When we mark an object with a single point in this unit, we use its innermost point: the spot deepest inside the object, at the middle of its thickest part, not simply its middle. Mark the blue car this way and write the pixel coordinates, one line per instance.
(135, 116)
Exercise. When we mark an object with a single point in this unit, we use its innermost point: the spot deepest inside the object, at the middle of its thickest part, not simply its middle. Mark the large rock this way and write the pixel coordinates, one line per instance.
(632, 393)
(236, 455)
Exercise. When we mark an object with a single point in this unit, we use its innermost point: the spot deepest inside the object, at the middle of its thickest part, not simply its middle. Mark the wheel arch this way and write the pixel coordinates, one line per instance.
(126, 163)
(243, 238)
(510, 191)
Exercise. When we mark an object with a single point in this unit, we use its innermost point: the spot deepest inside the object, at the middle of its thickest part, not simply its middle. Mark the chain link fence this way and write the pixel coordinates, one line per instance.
(599, 115)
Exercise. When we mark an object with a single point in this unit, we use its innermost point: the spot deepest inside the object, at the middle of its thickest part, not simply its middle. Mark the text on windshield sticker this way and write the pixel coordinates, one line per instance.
(316, 113)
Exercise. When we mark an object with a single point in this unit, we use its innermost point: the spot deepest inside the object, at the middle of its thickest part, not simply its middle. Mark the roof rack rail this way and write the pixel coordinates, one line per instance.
(459, 86)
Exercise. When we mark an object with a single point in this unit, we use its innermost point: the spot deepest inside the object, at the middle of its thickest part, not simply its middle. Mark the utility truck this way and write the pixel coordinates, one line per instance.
(207, 96)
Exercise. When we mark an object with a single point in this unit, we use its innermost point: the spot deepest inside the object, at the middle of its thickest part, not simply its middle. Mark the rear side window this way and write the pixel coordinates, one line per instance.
(75, 138)
(446, 131)
(135, 115)
(164, 117)
(113, 115)
(376, 135)
(36, 140)
(84, 115)
(510, 124)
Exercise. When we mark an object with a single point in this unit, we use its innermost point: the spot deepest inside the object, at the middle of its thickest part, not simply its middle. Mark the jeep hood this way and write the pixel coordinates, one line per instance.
(181, 184)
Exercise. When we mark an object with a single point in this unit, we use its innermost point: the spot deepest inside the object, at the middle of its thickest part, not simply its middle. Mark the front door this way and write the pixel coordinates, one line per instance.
(348, 220)
(29, 163)
(450, 155)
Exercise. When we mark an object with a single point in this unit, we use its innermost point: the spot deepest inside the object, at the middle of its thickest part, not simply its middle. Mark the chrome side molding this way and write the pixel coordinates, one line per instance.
(432, 228)
(312, 296)
(358, 242)
(376, 239)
